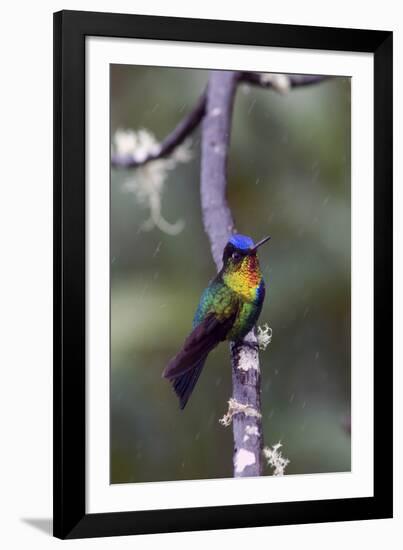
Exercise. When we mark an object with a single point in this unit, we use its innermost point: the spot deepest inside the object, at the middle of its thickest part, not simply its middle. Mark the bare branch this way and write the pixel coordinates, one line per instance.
(217, 217)
(219, 225)
(294, 80)
(175, 138)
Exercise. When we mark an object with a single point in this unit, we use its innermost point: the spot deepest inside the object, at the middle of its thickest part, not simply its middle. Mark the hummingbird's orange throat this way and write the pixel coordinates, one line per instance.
(245, 278)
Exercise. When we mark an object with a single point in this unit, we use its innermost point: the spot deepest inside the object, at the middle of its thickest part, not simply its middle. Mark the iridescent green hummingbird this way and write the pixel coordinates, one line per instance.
(228, 309)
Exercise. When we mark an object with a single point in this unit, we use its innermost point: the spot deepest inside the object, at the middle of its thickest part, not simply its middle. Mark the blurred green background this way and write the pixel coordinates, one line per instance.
(289, 176)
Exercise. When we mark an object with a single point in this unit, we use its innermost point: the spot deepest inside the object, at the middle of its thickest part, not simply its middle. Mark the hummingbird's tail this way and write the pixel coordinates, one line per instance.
(184, 369)
(185, 383)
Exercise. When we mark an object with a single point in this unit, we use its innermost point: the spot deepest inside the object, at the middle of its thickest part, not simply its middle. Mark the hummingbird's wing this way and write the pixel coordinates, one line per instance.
(203, 338)
(184, 369)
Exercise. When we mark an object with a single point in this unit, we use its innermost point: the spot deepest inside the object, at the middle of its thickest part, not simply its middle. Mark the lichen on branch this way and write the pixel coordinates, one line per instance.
(275, 459)
(148, 180)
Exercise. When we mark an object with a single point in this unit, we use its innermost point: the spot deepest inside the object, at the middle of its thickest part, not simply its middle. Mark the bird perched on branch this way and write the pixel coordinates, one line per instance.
(228, 309)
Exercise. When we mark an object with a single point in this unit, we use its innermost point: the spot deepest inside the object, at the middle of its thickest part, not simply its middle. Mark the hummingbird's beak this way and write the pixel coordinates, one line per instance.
(254, 248)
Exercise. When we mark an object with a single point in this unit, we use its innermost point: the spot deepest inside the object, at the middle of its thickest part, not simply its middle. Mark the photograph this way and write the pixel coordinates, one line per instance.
(230, 274)
(223, 284)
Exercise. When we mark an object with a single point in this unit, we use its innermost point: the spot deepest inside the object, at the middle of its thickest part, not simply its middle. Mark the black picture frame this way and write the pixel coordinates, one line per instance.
(70, 517)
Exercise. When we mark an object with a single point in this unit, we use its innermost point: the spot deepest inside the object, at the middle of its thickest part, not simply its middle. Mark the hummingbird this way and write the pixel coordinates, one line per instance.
(228, 309)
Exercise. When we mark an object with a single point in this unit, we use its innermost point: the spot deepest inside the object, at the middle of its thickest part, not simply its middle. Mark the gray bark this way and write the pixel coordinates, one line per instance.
(219, 225)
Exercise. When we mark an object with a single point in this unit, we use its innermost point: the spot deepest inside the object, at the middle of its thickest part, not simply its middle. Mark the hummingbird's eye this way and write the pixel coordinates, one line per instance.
(236, 256)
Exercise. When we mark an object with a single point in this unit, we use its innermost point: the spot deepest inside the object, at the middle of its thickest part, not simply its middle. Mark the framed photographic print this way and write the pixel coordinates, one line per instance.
(223, 274)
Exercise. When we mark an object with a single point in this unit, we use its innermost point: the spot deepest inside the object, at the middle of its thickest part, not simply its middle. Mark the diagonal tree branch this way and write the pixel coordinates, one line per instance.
(219, 225)
(175, 138)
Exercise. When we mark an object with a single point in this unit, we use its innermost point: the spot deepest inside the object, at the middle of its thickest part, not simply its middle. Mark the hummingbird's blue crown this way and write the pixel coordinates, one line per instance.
(243, 242)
